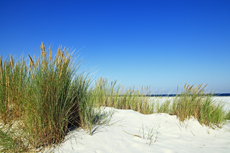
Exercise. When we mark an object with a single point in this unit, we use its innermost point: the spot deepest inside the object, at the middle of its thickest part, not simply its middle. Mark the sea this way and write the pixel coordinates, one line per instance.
(173, 95)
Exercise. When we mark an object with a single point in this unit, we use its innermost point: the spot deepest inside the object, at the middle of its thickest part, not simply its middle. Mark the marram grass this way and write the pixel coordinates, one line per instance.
(41, 101)
(47, 97)
(193, 102)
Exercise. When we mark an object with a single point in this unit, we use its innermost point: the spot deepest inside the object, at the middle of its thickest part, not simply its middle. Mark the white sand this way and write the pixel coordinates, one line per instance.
(216, 99)
(125, 134)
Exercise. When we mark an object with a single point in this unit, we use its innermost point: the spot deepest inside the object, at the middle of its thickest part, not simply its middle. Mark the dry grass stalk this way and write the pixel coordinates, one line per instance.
(185, 85)
(12, 78)
(62, 55)
(7, 86)
(31, 61)
(23, 60)
(65, 57)
(58, 54)
(0, 61)
(30, 65)
(194, 89)
(42, 47)
(43, 57)
(11, 60)
(0, 67)
(5, 66)
(35, 61)
(25, 68)
(51, 58)
(7, 81)
(190, 88)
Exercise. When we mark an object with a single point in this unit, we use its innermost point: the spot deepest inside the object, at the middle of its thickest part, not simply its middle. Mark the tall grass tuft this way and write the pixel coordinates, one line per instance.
(193, 102)
(47, 98)
(105, 93)
(12, 85)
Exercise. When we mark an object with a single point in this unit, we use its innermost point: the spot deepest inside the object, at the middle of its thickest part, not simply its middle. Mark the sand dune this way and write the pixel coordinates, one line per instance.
(130, 131)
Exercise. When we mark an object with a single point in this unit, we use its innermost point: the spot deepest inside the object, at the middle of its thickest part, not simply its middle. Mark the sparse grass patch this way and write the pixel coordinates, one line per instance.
(149, 134)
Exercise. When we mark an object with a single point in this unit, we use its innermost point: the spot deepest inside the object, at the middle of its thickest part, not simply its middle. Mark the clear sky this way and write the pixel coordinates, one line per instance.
(162, 43)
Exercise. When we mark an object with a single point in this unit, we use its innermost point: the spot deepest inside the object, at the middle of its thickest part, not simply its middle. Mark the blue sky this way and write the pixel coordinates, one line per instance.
(162, 43)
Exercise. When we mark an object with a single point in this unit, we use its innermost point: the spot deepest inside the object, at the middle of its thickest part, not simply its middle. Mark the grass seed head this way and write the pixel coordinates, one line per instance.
(43, 55)
(11, 60)
(190, 88)
(31, 61)
(51, 58)
(25, 68)
(65, 57)
(58, 54)
(35, 61)
(185, 85)
(30, 64)
(62, 55)
(42, 47)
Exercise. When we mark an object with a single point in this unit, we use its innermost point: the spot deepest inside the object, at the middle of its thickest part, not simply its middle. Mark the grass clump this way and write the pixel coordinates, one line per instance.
(193, 102)
(110, 95)
(47, 97)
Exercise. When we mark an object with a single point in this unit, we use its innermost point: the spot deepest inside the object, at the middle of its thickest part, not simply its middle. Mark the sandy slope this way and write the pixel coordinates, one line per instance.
(127, 127)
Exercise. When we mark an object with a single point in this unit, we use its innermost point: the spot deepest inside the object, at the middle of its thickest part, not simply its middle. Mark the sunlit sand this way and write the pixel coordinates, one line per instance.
(130, 131)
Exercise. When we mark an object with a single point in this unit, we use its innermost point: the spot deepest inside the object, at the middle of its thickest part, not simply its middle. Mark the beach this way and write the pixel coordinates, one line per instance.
(130, 131)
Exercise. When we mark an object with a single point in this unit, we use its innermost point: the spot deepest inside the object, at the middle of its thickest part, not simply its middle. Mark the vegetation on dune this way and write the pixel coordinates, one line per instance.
(110, 95)
(47, 97)
(41, 101)
(191, 102)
